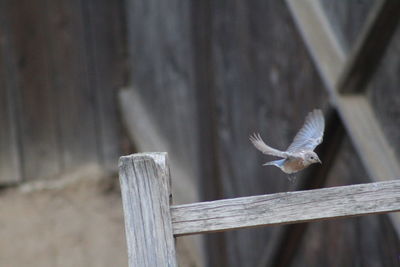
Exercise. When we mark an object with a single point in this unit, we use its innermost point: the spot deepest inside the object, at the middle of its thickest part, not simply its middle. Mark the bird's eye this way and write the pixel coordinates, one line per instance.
(312, 157)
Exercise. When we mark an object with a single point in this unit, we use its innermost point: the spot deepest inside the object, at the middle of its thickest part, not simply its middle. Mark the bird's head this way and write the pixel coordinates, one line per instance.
(312, 157)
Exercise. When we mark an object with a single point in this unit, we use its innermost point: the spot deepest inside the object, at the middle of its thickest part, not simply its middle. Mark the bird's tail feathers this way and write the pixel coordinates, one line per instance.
(278, 163)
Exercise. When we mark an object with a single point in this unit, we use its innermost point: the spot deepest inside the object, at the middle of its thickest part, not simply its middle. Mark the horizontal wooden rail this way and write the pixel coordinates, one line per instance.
(285, 208)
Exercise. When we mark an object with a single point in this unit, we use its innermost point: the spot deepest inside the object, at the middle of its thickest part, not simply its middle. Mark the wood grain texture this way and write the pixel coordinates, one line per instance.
(145, 189)
(61, 67)
(210, 187)
(74, 95)
(162, 72)
(103, 23)
(9, 161)
(37, 121)
(10, 171)
(283, 208)
(146, 136)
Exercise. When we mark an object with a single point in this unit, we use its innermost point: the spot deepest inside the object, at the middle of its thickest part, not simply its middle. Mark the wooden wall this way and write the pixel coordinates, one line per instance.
(213, 72)
(61, 63)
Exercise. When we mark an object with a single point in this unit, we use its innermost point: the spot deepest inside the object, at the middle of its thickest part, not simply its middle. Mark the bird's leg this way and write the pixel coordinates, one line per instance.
(292, 178)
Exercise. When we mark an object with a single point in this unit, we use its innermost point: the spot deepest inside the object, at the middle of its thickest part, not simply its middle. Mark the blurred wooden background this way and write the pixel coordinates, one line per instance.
(206, 74)
(61, 65)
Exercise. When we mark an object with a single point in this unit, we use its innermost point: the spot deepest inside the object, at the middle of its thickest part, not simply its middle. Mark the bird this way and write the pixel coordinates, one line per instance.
(300, 153)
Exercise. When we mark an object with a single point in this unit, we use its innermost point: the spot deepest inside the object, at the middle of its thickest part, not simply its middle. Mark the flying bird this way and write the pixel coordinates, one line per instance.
(300, 154)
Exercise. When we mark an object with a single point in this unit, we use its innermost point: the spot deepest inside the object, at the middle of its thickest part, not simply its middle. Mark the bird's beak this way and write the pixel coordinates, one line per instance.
(319, 161)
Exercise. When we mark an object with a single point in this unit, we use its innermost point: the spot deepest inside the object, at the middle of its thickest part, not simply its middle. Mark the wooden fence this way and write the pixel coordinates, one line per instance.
(152, 223)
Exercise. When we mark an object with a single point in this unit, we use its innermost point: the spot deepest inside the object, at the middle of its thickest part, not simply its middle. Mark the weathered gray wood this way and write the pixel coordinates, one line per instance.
(283, 208)
(383, 94)
(37, 120)
(210, 187)
(162, 71)
(10, 171)
(370, 46)
(145, 189)
(320, 39)
(9, 160)
(146, 136)
(105, 48)
(69, 75)
(357, 241)
(59, 105)
(347, 18)
(374, 150)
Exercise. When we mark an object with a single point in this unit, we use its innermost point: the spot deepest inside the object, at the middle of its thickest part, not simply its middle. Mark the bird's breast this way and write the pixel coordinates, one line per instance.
(293, 165)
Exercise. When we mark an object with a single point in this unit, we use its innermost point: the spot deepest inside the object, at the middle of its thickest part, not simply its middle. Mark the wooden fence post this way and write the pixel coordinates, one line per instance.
(145, 189)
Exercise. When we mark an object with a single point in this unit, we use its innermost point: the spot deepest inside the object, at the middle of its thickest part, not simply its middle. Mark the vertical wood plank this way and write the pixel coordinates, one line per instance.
(75, 109)
(9, 154)
(104, 27)
(210, 186)
(36, 106)
(250, 63)
(145, 189)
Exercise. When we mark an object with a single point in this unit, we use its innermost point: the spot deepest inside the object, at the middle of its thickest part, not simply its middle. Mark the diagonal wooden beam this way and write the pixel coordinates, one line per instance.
(375, 152)
(370, 46)
(320, 39)
(355, 111)
(357, 114)
(143, 131)
(146, 136)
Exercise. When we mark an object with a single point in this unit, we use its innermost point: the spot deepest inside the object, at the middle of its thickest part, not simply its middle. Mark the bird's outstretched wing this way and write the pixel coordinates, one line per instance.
(264, 148)
(310, 135)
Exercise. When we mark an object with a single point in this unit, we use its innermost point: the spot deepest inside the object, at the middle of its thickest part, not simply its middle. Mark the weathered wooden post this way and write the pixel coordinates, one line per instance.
(145, 189)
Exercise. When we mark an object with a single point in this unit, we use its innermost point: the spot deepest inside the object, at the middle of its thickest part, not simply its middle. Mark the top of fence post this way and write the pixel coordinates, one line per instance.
(145, 189)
